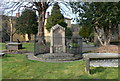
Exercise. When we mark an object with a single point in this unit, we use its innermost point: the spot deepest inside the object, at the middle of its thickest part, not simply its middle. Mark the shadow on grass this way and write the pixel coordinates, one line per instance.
(23, 48)
(97, 70)
(88, 52)
(5, 56)
(9, 55)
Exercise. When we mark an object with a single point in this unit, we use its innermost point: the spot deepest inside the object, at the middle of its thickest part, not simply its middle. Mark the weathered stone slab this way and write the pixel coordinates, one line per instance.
(101, 60)
(104, 63)
(57, 39)
(101, 55)
(14, 46)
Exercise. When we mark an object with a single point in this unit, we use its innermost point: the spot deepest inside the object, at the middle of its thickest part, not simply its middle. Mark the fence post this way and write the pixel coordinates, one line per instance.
(87, 68)
(35, 44)
(80, 45)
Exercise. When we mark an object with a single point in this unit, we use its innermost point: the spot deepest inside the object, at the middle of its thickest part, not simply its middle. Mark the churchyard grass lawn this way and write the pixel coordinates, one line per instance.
(17, 66)
(2, 46)
(26, 46)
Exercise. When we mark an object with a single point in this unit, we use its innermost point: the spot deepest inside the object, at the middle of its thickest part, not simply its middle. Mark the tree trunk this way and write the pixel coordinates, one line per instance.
(98, 36)
(11, 30)
(11, 38)
(108, 35)
(100, 40)
(41, 8)
(40, 35)
(29, 37)
(96, 41)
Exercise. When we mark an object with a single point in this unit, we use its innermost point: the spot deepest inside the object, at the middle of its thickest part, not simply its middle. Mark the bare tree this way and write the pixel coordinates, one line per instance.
(41, 8)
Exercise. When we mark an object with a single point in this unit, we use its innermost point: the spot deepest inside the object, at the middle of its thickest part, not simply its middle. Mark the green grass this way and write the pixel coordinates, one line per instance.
(26, 46)
(17, 66)
(2, 46)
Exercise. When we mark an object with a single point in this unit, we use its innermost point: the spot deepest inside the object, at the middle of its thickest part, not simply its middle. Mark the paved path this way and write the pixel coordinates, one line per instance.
(87, 47)
(32, 57)
(0, 51)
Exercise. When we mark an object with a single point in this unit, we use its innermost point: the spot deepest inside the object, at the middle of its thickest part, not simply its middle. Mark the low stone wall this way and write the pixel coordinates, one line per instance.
(104, 62)
(101, 60)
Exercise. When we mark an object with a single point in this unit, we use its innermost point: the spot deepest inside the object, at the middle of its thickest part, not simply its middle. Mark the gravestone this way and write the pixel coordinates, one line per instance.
(57, 39)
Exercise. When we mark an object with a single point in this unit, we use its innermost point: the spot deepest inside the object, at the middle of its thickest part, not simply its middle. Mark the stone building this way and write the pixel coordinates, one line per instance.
(6, 29)
(73, 27)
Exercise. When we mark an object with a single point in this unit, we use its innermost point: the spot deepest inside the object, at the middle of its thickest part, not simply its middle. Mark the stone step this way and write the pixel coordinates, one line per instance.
(58, 57)
(72, 58)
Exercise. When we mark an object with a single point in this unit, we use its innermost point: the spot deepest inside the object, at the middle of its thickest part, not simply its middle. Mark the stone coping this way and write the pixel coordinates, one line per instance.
(32, 57)
(101, 55)
(90, 58)
(14, 43)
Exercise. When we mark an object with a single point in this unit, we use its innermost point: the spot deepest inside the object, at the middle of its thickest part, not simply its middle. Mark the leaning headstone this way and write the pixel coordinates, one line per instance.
(57, 39)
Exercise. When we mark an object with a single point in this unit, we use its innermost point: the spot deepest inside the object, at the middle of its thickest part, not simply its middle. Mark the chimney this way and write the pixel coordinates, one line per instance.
(17, 14)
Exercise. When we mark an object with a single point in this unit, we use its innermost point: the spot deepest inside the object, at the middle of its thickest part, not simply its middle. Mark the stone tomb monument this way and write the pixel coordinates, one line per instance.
(14, 46)
(57, 39)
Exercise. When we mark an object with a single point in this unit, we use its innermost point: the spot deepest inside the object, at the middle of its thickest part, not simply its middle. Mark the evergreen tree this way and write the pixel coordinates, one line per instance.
(87, 33)
(27, 23)
(57, 18)
(102, 16)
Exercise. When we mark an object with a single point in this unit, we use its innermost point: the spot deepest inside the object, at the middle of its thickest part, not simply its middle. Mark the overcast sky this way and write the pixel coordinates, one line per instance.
(67, 12)
(64, 10)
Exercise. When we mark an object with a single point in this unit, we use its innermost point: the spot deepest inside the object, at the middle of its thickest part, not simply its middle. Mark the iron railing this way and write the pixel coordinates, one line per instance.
(73, 45)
